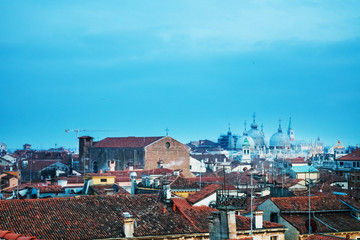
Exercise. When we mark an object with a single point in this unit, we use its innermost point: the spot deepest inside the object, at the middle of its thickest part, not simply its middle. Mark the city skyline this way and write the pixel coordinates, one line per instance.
(192, 67)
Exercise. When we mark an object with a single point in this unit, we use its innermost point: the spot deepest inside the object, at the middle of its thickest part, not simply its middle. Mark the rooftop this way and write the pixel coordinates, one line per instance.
(126, 142)
(303, 169)
(353, 156)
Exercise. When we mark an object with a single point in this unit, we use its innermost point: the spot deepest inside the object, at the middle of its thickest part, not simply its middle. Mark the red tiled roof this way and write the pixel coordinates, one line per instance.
(183, 183)
(353, 156)
(39, 164)
(318, 203)
(324, 237)
(43, 188)
(197, 216)
(8, 235)
(125, 142)
(203, 193)
(91, 217)
(244, 223)
(341, 221)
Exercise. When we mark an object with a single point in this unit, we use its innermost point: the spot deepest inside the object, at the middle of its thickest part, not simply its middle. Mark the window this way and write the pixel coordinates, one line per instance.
(357, 164)
(354, 164)
(274, 217)
(274, 238)
(103, 180)
(341, 164)
(167, 145)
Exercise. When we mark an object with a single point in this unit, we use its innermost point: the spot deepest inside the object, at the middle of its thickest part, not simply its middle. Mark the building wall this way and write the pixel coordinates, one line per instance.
(353, 235)
(109, 180)
(174, 154)
(269, 207)
(196, 165)
(314, 176)
(122, 157)
(206, 201)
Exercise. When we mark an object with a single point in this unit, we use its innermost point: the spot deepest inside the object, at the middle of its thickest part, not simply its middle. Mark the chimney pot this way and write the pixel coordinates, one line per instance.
(258, 215)
(128, 226)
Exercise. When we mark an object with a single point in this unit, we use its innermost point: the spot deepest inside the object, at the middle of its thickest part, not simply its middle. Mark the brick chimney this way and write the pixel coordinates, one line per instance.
(258, 217)
(128, 226)
(231, 221)
(222, 225)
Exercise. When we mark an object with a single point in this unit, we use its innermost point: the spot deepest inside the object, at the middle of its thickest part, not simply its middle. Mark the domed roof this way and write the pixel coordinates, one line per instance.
(256, 134)
(279, 139)
(246, 141)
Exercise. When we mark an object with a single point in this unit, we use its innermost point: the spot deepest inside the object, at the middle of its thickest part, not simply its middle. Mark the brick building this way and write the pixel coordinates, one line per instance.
(140, 152)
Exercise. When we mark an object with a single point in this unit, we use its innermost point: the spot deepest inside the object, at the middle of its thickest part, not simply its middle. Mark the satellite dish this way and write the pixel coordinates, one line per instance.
(313, 225)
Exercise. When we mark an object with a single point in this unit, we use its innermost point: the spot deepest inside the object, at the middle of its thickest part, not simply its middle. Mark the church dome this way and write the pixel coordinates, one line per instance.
(279, 140)
(256, 134)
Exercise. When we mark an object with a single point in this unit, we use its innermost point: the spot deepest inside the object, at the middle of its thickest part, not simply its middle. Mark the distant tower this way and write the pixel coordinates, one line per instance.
(246, 151)
(290, 131)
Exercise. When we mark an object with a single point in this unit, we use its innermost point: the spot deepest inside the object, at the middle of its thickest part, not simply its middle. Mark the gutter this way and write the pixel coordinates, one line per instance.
(324, 223)
(322, 211)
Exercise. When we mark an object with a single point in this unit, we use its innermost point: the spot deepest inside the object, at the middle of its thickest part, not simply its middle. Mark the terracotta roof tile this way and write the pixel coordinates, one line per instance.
(353, 156)
(125, 142)
(324, 237)
(244, 223)
(91, 217)
(203, 193)
(183, 183)
(341, 221)
(318, 203)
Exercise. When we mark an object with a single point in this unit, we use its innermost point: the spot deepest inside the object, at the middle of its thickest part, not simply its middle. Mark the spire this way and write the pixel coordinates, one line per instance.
(290, 131)
(254, 125)
(229, 132)
(279, 130)
(290, 127)
(245, 133)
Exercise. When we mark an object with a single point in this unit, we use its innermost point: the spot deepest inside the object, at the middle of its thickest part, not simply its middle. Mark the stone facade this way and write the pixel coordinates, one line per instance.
(174, 155)
(140, 153)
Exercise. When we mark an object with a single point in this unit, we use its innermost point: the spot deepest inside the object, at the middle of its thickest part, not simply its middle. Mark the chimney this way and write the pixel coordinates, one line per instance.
(222, 225)
(101, 171)
(258, 215)
(128, 226)
(160, 163)
(112, 165)
(133, 176)
(167, 192)
(231, 220)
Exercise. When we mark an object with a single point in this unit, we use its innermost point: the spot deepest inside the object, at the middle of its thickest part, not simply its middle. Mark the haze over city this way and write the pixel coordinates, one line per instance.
(140, 67)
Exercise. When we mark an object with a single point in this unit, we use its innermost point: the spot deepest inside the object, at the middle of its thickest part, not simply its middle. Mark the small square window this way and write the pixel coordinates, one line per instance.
(103, 180)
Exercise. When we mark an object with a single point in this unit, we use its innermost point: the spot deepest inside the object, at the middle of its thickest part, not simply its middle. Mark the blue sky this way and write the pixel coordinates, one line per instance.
(138, 67)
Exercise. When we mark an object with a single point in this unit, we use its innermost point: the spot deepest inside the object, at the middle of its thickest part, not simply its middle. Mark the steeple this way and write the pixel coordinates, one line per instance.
(254, 125)
(245, 133)
(290, 131)
(279, 129)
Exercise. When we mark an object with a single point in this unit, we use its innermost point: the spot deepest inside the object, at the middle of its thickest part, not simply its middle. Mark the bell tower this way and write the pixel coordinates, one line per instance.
(290, 131)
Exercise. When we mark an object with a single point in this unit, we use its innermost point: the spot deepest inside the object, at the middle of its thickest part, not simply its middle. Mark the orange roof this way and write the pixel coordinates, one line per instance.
(125, 142)
(353, 156)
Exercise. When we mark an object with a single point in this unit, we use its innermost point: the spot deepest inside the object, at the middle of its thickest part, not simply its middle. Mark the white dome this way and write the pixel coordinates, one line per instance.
(279, 140)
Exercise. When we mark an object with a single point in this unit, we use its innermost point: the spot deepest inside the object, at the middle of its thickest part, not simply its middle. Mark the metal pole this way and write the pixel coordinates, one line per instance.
(251, 208)
(309, 203)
